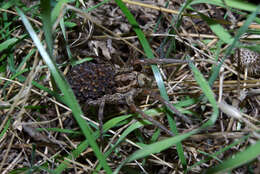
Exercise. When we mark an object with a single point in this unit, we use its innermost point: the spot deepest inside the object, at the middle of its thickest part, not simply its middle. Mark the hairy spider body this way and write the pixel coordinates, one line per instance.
(96, 81)
(91, 81)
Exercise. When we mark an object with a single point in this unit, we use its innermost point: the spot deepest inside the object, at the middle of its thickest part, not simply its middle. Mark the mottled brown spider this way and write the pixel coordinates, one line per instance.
(96, 83)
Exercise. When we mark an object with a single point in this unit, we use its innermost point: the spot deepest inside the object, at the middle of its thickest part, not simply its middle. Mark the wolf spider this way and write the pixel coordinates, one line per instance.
(96, 83)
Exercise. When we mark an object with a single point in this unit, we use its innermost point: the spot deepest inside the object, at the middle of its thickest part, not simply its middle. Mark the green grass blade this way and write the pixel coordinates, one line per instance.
(57, 10)
(239, 33)
(145, 45)
(207, 91)
(220, 31)
(126, 132)
(7, 125)
(114, 121)
(130, 129)
(155, 69)
(221, 151)
(162, 145)
(74, 154)
(47, 25)
(238, 4)
(239, 159)
(97, 5)
(63, 29)
(155, 148)
(66, 131)
(8, 43)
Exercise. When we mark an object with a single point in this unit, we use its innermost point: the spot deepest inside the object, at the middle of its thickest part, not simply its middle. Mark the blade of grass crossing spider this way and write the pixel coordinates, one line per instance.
(155, 148)
(251, 153)
(242, 5)
(207, 91)
(81, 61)
(155, 69)
(146, 47)
(67, 91)
(252, 47)
(239, 33)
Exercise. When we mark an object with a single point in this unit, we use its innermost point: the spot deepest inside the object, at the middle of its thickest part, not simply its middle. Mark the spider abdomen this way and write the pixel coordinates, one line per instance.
(91, 81)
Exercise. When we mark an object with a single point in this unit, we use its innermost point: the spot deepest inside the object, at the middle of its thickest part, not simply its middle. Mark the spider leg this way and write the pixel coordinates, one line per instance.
(101, 116)
(173, 109)
(170, 106)
(135, 109)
